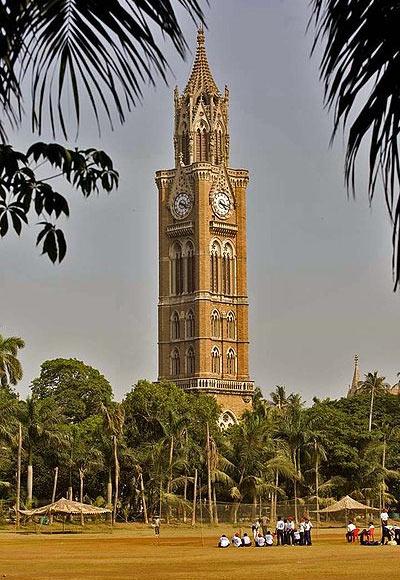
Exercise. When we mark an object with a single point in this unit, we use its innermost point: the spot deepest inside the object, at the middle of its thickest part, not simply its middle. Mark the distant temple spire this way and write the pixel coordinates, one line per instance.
(201, 79)
(355, 383)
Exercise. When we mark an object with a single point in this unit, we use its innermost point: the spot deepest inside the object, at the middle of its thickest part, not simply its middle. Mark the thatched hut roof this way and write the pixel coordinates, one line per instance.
(66, 507)
(347, 503)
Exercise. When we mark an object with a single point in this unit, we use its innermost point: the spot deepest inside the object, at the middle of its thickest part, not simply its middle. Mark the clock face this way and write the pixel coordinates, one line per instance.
(221, 204)
(182, 205)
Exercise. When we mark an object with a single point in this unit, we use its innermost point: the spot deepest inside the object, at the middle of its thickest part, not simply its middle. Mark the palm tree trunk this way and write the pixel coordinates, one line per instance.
(169, 482)
(146, 519)
(29, 484)
(295, 487)
(383, 469)
(116, 478)
(371, 408)
(185, 498)
(215, 505)
(194, 498)
(18, 494)
(210, 503)
(317, 484)
(81, 476)
(274, 498)
(109, 487)
(53, 497)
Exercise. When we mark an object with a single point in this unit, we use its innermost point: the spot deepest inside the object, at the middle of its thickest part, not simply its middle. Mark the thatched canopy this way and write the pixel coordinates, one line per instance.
(66, 507)
(347, 503)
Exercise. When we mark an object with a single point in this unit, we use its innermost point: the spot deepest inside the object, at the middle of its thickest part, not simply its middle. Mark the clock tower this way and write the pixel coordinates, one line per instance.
(203, 306)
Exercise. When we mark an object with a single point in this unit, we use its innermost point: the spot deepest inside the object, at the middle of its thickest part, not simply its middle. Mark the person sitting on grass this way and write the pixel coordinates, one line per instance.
(350, 531)
(269, 539)
(260, 541)
(246, 542)
(223, 542)
(236, 541)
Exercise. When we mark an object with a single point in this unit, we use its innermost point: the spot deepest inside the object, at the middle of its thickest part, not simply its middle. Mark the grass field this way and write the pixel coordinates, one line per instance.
(132, 552)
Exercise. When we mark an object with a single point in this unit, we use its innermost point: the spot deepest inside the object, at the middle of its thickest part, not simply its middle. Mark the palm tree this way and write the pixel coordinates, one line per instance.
(10, 366)
(113, 418)
(360, 67)
(41, 419)
(372, 385)
(279, 397)
(107, 51)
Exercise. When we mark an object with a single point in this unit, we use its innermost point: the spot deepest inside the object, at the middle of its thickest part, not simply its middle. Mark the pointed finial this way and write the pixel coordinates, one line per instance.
(200, 35)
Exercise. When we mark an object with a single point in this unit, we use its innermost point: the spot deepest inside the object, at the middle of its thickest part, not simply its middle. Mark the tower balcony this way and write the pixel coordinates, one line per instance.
(217, 386)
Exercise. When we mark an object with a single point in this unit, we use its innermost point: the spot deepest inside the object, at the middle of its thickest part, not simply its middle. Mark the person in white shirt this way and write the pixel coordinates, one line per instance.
(260, 541)
(255, 527)
(307, 532)
(223, 542)
(246, 542)
(280, 531)
(384, 523)
(301, 532)
(236, 541)
(289, 531)
(350, 529)
(269, 539)
(296, 537)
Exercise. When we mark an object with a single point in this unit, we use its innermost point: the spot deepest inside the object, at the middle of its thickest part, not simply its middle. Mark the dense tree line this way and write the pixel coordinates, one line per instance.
(161, 447)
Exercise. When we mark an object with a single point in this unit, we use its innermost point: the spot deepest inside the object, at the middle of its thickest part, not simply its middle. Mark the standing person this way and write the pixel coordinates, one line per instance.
(255, 528)
(307, 532)
(290, 531)
(280, 531)
(384, 523)
(301, 531)
(264, 525)
(157, 525)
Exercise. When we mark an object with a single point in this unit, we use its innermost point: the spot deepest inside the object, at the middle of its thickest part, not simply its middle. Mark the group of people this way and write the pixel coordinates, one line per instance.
(390, 533)
(286, 534)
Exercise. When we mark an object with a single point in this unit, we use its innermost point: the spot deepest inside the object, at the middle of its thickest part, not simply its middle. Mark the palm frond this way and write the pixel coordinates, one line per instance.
(360, 68)
(106, 50)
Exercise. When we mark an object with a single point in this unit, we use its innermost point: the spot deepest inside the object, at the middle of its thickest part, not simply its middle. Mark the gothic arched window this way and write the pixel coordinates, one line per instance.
(175, 326)
(231, 362)
(215, 258)
(215, 360)
(228, 270)
(190, 361)
(175, 363)
(230, 326)
(219, 146)
(190, 324)
(190, 268)
(176, 269)
(215, 324)
(201, 144)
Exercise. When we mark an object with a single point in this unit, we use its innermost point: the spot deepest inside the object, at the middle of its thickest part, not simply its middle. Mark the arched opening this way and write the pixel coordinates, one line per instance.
(175, 363)
(190, 267)
(175, 326)
(230, 326)
(176, 269)
(228, 270)
(190, 361)
(231, 362)
(185, 147)
(215, 324)
(215, 360)
(219, 144)
(226, 420)
(215, 258)
(201, 144)
(190, 324)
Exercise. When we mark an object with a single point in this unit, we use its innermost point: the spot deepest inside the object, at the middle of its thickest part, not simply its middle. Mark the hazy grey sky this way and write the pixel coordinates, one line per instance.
(319, 265)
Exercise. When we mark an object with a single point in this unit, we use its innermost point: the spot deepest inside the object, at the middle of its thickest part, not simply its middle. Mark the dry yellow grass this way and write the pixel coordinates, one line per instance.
(132, 552)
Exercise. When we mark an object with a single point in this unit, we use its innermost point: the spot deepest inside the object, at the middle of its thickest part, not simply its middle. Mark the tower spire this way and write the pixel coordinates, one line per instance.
(201, 79)
(356, 377)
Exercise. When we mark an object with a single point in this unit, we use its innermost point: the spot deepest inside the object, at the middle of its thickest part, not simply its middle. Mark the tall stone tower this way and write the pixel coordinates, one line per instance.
(203, 306)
